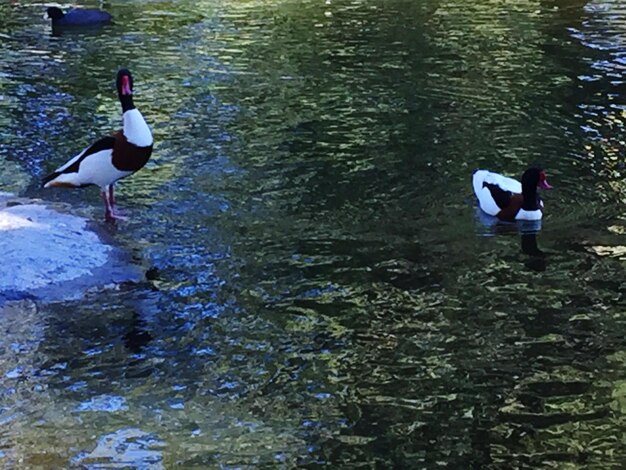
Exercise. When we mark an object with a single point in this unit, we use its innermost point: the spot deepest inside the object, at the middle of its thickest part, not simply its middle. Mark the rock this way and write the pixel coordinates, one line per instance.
(51, 255)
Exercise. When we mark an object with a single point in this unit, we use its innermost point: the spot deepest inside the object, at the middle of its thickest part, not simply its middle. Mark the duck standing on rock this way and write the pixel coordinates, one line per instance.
(110, 158)
(506, 198)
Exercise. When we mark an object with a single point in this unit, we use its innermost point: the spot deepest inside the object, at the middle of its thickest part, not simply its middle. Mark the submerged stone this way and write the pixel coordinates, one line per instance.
(124, 448)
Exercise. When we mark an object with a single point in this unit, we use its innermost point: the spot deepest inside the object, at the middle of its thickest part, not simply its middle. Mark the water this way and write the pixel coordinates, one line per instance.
(322, 290)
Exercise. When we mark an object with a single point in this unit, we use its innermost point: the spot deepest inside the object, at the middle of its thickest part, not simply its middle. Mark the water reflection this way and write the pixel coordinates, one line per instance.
(136, 337)
(317, 296)
(83, 31)
(537, 258)
(489, 226)
(123, 448)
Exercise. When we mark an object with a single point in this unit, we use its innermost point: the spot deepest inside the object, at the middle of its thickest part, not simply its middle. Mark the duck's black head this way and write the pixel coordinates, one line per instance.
(534, 178)
(124, 82)
(55, 13)
(124, 85)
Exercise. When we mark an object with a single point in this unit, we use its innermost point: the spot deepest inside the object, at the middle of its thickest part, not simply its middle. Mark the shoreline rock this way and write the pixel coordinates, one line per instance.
(51, 255)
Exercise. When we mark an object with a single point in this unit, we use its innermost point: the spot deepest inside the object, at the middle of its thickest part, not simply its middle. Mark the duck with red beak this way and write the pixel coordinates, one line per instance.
(113, 157)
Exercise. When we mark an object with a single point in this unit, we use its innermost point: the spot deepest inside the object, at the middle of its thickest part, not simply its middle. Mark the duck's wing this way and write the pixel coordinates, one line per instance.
(486, 201)
(492, 199)
(66, 175)
(495, 192)
(504, 182)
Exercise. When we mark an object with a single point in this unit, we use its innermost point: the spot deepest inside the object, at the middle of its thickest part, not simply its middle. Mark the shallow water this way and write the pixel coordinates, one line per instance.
(321, 289)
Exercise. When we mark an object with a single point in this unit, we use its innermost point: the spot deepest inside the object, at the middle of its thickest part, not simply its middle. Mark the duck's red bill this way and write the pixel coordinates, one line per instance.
(543, 184)
(126, 85)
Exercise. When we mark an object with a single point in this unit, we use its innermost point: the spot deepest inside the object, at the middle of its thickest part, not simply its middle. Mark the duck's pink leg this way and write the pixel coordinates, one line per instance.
(111, 196)
(109, 211)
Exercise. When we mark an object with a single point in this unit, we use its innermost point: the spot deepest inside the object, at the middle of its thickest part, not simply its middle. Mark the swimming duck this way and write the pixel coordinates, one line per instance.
(506, 198)
(110, 158)
(78, 17)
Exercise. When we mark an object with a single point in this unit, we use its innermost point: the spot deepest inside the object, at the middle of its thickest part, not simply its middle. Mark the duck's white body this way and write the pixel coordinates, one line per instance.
(501, 196)
(95, 163)
(95, 168)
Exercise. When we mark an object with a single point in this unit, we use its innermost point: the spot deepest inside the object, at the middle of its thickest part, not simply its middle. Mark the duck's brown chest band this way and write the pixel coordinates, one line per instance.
(510, 211)
(127, 156)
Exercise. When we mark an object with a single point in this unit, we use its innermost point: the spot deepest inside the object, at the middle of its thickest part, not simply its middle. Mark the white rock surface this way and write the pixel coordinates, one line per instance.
(44, 252)
(40, 246)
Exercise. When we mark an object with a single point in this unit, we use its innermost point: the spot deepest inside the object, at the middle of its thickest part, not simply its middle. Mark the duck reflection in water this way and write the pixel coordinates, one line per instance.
(536, 258)
(136, 337)
(528, 229)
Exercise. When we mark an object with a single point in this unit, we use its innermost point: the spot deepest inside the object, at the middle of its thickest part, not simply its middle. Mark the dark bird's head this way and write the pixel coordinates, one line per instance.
(124, 83)
(535, 177)
(55, 13)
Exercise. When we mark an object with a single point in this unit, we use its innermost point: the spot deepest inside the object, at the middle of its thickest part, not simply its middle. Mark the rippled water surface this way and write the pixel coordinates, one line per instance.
(321, 288)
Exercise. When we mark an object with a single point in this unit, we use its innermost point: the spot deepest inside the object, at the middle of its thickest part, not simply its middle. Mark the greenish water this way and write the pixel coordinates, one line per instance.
(323, 292)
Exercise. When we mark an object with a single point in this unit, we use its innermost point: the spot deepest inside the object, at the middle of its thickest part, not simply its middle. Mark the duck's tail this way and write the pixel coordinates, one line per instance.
(62, 180)
(45, 182)
(478, 177)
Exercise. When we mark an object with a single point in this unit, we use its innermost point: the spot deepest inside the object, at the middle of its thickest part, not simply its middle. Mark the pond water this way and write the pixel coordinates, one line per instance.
(321, 288)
